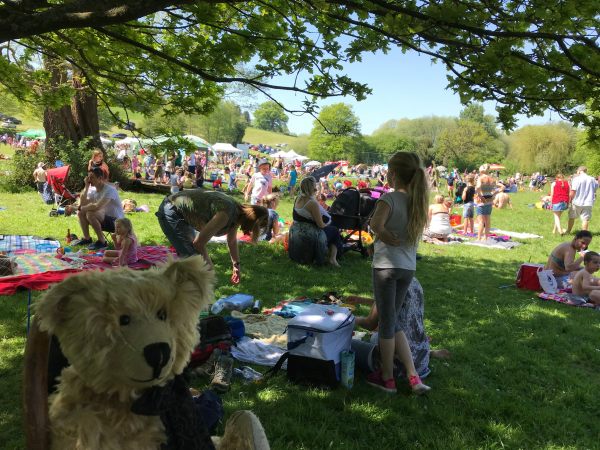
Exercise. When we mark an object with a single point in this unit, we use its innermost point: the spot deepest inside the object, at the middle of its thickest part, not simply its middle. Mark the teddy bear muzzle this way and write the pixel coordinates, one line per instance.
(157, 356)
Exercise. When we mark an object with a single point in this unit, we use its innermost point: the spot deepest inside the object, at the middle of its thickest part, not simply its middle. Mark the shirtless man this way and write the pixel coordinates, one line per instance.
(501, 200)
(586, 288)
(562, 259)
(39, 175)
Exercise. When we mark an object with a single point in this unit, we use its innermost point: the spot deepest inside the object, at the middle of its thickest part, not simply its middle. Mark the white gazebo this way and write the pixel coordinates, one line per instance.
(221, 147)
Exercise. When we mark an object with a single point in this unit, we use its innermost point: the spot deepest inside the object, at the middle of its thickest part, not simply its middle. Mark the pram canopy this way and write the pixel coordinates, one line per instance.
(57, 179)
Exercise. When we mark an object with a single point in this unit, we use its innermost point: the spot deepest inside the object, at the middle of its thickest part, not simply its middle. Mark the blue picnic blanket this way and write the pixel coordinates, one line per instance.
(12, 243)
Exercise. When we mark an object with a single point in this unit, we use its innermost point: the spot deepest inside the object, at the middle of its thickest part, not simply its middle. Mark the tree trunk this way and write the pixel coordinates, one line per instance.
(73, 122)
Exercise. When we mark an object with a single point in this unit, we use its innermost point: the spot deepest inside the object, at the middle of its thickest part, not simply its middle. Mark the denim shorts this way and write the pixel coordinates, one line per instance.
(484, 210)
(560, 206)
(179, 233)
(468, 210)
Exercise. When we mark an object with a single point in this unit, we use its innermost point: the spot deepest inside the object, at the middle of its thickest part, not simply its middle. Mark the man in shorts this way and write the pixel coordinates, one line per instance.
(582, 196)
(99, 207)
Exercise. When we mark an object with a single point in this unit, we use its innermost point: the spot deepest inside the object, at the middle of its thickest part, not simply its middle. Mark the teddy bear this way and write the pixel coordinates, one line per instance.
(128, 336)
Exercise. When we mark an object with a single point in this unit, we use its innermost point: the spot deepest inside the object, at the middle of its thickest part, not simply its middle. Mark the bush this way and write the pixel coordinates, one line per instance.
(20, 177)
(77, 156)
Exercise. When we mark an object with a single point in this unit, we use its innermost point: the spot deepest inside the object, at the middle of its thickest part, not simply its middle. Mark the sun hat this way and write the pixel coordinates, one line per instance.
(263, 161)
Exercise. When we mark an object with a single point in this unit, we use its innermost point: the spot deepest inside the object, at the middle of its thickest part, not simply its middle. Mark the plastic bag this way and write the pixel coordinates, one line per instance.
(547, 281)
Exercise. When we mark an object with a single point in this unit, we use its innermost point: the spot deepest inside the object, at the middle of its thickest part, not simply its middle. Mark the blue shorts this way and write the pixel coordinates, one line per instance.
(468, 210)
(484, 210)
(560, 206)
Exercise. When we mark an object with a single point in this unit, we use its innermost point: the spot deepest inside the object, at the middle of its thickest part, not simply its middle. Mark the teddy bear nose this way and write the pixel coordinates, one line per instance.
(157, 355)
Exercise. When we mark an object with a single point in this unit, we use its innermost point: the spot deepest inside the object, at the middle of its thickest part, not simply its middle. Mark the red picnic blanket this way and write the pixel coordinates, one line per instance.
(47, 273)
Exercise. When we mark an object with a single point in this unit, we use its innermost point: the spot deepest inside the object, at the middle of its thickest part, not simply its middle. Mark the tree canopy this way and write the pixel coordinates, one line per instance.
(271, 117)
(527, 56)
(336, 135)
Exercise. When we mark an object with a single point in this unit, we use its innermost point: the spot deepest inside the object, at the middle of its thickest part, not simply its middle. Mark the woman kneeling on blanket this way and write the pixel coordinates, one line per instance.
(562, 259)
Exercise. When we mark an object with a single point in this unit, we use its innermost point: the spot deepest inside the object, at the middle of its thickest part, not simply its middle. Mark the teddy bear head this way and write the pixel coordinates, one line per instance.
(124, 330)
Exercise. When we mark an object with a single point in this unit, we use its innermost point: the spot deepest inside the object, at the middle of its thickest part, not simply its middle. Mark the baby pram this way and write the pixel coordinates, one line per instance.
(351, 211)
(57, 179)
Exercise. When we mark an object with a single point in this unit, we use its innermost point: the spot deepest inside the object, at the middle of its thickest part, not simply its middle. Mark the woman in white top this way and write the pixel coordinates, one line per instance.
(438, 218)
(308, 208)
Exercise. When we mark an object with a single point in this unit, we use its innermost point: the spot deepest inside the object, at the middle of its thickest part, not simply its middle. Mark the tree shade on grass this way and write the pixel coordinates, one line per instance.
(523, 372)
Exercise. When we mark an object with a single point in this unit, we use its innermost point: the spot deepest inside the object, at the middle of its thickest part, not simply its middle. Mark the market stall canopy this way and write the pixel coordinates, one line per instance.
(34, 133)
(226, 148)
(106, 141)
(301, 158)
(128, 141)
(312, 164)
(279, 154)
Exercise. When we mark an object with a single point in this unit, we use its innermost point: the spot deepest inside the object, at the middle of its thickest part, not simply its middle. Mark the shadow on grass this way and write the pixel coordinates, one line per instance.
(518, 364)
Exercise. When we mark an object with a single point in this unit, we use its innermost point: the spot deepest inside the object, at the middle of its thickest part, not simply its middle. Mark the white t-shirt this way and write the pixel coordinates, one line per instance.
(113, 208)
(261, 185)
(585, 190)
(403, 256)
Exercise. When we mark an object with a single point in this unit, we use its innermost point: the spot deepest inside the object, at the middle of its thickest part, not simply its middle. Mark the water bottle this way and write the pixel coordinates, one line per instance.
(256, 307)
(347, 358)
(217, 307)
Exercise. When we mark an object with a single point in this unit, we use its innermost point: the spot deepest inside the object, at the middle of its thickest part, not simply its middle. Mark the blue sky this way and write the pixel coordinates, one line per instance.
(404, 86)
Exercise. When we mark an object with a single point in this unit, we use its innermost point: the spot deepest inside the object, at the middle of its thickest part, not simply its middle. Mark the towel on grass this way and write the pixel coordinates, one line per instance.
(515, 234)
(254, 351)
(268, 329)
(492, 242)
(563, 297)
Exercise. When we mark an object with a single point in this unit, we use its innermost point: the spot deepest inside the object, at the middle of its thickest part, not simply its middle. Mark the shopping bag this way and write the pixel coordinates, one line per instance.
(547, 281)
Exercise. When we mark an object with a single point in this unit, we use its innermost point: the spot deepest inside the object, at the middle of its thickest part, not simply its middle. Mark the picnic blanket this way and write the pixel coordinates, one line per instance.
(494, 242)
(14, 244)
(38, 271)
(563, 297)
(515, 234)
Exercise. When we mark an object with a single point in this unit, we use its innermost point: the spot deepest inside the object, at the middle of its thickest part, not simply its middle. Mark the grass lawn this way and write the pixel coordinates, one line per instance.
(523, 372)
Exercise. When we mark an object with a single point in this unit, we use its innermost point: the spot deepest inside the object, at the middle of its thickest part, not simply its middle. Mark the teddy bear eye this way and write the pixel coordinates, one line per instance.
(124, 320)
(161, 314)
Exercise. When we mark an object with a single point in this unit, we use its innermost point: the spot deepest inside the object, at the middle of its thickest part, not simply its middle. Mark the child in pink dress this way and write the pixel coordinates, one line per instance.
(126, 245)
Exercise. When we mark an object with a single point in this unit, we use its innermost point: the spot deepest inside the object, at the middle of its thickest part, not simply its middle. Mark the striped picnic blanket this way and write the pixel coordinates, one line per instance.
(29, 264)
(14, 244)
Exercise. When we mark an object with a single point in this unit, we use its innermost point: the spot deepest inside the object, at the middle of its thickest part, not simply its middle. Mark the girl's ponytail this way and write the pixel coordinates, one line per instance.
(407, 167)
(418, 203)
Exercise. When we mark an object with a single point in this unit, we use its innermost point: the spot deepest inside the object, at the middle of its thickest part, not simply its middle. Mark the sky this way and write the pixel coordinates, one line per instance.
(404, 86)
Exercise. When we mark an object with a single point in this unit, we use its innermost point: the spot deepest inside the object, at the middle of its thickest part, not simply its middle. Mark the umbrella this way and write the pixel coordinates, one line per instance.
(323, 171)
(34, 133)
(497, 167)
(197, 141)
(312, 164)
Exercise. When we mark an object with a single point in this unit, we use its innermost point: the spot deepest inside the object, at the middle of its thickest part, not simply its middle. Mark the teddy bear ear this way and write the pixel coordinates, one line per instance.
(54, 307)
(192, 278)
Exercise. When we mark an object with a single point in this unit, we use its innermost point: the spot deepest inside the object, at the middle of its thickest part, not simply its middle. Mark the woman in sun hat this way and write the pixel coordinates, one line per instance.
(260, 184)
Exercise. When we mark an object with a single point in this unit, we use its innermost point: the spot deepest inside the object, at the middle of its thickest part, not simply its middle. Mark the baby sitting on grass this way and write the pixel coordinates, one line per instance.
(586, 288)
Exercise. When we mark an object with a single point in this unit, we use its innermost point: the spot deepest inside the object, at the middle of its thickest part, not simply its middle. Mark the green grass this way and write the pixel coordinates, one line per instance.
(523, 372)
(256, 136)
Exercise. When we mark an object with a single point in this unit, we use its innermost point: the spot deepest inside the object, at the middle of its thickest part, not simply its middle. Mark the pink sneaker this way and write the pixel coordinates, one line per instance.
(417, 385)
(375, 379)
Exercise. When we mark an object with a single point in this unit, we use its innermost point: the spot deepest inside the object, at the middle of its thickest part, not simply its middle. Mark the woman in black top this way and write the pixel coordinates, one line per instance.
(468, 196)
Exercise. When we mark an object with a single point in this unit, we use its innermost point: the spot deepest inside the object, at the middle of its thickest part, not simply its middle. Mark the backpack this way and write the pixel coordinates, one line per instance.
(316, 338)
(214, 333)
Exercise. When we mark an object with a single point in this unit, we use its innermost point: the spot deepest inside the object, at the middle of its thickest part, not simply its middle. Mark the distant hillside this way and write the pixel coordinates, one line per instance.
(297, 143)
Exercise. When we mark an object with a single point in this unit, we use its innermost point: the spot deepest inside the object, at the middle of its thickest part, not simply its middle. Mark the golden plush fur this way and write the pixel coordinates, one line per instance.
(104, 322)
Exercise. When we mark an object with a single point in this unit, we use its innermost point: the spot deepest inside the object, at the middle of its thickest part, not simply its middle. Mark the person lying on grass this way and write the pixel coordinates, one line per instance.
(586, 288)
(562, 259)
